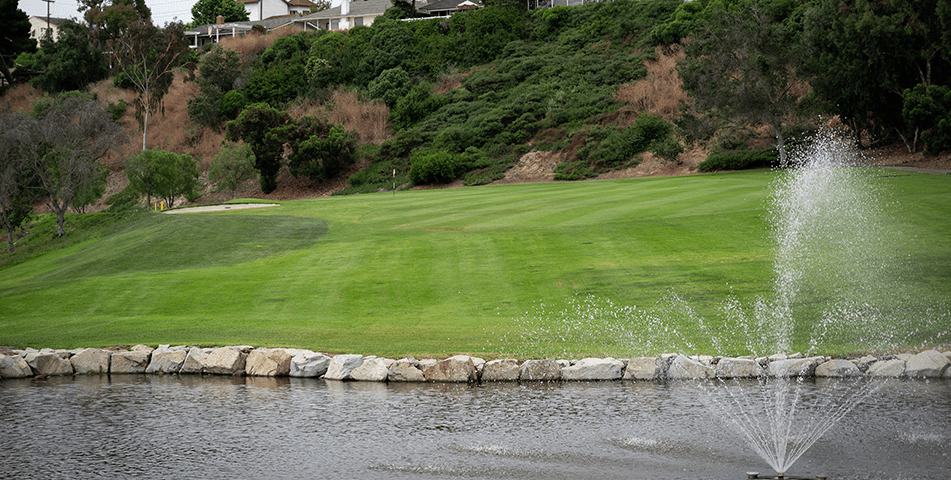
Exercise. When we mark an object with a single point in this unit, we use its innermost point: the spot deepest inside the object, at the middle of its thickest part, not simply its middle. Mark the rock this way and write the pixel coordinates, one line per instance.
(309, 364)
(738, 368)
(838, 368)
(194, 361)
(91, 360)
(644, 368)
(14, 367)
(798, 367)
(683, 368)
(539, 370)
(426, 363)
(226, 361)
(593, 369)
(501, 371)
(777, 357)
(267, 362)
(129, 362)
(479, 365)
(929, 363)
(887, 368)
(341, 366)
(864, 362)
(372, 370)
(905, 356)
(405, 370)
(457, 368)
(51, 364)
(143, 348)
(166, 361)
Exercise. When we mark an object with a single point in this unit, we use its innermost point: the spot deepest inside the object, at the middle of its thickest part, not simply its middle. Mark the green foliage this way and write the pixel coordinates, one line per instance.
(254, 125)
(15, 25)
(125, 201)
(611, 147)
(25, 60)
(217, 101)
(322, 151)
(117, 110)
(92, 191)
(231, 104)
(231, 166)
(163, 174)
(71, 62)
(577, 170)
(390, 86)
(206, 12)
(433, 167)
(414, 106)
(927, 108)
(288, 48)
(276, 84)
(739, 160)
(681, 24)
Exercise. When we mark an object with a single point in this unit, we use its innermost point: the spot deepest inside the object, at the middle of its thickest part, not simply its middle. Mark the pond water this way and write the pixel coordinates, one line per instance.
(246, 427)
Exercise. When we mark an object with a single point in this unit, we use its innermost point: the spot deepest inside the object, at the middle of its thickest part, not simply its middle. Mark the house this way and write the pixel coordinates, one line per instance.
(349, 14)
(262, 9)
(39, 27)
(213, 33)
(445, 8)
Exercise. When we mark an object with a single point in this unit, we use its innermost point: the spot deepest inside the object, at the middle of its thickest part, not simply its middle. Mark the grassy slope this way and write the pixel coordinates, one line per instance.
(429, 272)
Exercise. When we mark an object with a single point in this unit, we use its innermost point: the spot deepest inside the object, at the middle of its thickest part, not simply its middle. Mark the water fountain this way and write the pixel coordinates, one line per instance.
(834, 280)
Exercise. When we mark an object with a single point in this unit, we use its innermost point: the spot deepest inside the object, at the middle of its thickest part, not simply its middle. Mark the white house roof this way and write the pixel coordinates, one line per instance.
(358, 8)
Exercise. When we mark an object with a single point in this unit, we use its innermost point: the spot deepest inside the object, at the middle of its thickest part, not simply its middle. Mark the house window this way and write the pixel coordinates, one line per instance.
(358, 21)
(335, 24)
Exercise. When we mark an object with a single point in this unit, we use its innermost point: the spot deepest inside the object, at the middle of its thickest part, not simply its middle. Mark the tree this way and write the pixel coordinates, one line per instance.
(107, 23)
(864, 55)
(217, 70)
(741, 67)
(254, 125)
(148, 56)
(231, 166)
(15, 192)
(62, 147)
(206, 12)
(166, 175)
(15, 39)
(71, 62)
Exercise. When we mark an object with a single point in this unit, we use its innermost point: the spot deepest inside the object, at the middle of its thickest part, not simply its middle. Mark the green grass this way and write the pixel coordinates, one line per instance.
(438, 272)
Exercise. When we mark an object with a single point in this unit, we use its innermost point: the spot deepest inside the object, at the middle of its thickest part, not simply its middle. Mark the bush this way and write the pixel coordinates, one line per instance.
(739, 160)
(231, 166)
(117, 110)
(320, 156)
(573, 171)
(231, 104)
(166, 175)
(390, 86)
(434, 167)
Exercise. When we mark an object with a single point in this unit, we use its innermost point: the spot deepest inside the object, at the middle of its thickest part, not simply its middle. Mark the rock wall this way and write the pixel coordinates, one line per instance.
(246, 360)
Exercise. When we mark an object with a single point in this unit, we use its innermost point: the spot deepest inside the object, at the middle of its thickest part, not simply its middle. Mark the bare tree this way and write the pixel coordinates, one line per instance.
(148, 55)
(62, 148)
(15, 194)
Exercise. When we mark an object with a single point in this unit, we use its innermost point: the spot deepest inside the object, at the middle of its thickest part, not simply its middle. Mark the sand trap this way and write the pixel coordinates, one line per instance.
(220, 208)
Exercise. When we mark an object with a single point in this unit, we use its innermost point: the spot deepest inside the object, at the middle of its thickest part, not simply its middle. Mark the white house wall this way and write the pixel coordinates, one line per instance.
(272, 8)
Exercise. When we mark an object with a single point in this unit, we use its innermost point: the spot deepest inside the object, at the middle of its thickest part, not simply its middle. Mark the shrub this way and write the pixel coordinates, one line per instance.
(739, 160)
(231, 166)
(166, 175)
(573, 171)
(117, 110)
(320, 156)
(434, 167)
(390, 86)
(231, 104)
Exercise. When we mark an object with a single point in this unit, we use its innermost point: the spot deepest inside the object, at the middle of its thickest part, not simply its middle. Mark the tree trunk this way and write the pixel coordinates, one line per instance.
(145, 127)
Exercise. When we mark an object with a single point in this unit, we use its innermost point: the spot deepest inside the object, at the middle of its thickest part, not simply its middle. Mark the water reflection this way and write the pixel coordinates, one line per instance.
(229, 427)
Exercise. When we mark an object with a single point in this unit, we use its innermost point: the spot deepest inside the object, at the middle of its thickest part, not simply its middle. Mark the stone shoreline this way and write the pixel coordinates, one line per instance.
(273, 362)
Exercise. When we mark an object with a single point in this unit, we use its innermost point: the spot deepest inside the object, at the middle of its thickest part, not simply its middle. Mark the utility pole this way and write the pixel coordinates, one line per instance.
(49, 26)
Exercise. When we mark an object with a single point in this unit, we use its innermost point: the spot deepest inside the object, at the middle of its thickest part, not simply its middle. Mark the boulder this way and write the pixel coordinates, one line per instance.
(684, 368)
(143, 348)
(864, 362)
(226, 361)
(794, 367)
(129, 362)
(372, 370)
(194, 361)
(929, 363)
(14, 367)
(593, 369)
(51, 364)
(887, 368)
(341, 366)
(166, 361)
(267, 362)
(644, 368)
(838, 368)
(425, 363)
(405, 370)
(738, 368)
(91, 360)
(457, 368)
(309, 364)
(505, 370)
(539, 370)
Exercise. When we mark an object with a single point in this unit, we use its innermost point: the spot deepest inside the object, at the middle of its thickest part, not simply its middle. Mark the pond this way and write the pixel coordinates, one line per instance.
(250, 427)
